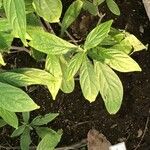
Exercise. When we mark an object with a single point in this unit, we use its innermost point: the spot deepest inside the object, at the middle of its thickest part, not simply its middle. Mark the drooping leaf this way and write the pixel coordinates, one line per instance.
(110, 87)
(42, 120)
(50, 141)
(74, 65)
(71, 14)
(49, 43)
(88, 80)
(2, 60)
(97, 35)
(18, 131)
(50, 10)
(119, 61)
(25, 140)
(26, 116)
(9, 117)
(67, 86)
(2, 123)
(26, 76)
(15, 12)
(15, 100)
(90, 7)
(113, 7)
(53, 67)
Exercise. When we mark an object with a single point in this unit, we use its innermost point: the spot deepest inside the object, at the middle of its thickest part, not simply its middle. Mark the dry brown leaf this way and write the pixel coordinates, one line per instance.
(97, 141)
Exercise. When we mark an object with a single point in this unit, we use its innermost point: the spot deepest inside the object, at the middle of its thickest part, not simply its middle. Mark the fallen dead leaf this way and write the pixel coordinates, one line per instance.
(97, 141)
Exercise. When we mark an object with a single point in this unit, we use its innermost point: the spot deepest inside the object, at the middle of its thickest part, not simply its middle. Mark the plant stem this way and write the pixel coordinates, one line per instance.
(69, 35)
(19, 49)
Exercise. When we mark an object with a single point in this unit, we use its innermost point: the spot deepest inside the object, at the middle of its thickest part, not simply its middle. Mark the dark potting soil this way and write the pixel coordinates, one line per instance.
(78, 116)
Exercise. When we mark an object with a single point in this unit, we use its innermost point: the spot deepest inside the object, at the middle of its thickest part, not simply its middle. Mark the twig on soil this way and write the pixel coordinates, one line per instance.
(145, 130)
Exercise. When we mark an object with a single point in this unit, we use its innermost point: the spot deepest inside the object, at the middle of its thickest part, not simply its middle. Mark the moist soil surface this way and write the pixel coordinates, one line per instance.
(77, 115)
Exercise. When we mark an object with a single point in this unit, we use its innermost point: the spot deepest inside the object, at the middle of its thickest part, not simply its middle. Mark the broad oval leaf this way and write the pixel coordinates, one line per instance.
(50, 141)
(53, 67)
(42, 120)
(97, 35)
(88, 80)
(49, 43)
(15, 100)
(74, 65)
(15, 12)
(98, 2)
(71, 14)
(113, 7)
(110, 87)
(9, 117)
(50, 10)
(119, 61)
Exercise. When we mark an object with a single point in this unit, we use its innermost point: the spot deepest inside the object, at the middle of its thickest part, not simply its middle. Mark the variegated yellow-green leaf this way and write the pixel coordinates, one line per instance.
(119, 60)
(53, 67)
(110, 87)
(15, 100)
(97, 35)
(88, 80)
(74, 65)
(50, 10)
(71, 14)
(16, 15)
(49, 43)
(67, 86)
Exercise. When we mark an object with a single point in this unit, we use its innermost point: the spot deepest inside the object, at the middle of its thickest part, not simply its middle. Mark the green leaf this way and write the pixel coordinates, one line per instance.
(15, 100)
(42, 120)
(26, 76)
(97, 35)
(9, 117)
(90, 7)
(50, 10)
(49, 43)
(113, 7)
(18, 131)
(15, 12)
(98, 2)
(67, 86)
(119, 61)
(2, 123)
(26, 117)
(110, 87)
(1, 3)
(43, 131)
(88, 80)
(71, 14)
(25, 140)
(53, 67)
(136, 44)
(50, 141)
(33, 22)
(29, 6)
(2, 60)
(74, 65)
